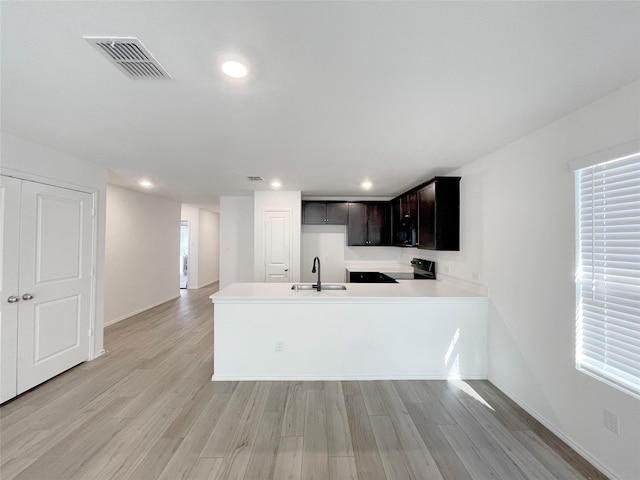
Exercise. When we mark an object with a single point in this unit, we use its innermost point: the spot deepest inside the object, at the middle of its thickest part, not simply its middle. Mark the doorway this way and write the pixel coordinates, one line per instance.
(184, 253)
(277, 225)
(47, 266)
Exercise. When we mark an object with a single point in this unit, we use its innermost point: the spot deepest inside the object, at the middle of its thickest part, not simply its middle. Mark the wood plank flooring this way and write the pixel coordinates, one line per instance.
(148, 410)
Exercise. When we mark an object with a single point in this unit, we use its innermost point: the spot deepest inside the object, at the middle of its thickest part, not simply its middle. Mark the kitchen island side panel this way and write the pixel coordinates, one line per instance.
(328, 341)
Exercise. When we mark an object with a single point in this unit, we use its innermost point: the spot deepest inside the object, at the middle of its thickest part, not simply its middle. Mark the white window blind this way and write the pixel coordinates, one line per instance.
(608, 237)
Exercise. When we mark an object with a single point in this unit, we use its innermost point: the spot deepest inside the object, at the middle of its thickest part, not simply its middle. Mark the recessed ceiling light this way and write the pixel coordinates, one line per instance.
(145, 183)
(233, 66)
(234, 69)
(276, 184)
(366, 185)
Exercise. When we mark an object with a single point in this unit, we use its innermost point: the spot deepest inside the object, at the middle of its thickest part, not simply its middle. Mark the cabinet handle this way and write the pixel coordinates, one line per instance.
(27, 296)
(13, 299)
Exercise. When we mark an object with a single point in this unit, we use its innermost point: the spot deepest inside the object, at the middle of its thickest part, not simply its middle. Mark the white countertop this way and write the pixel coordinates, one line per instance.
(405, 291)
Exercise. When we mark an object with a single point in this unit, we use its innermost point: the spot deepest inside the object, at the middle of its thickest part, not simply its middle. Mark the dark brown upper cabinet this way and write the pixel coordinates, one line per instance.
(439, 214)
(369, 224)
(324, 213)
(405, 219)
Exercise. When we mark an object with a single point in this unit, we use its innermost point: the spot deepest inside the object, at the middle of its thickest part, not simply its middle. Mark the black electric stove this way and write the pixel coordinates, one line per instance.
(423, 269)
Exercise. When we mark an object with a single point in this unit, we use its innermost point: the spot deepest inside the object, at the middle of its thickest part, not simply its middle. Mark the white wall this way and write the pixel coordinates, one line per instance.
(35, 162)
(517, 207)
(326, 242)
(236, 240)
(142, 251)
(208, 247)
(372, 253)
(329, 243)
(264, 201)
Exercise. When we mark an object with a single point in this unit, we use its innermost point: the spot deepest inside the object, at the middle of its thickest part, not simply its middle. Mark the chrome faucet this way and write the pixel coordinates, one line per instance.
(313, 270)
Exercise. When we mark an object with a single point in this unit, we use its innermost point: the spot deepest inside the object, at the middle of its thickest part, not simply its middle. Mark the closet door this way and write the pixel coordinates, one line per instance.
(9, 290)
(45, 288)
(54, 312)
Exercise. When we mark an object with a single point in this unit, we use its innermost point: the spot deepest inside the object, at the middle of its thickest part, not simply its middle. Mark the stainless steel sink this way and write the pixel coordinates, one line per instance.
(325, 286)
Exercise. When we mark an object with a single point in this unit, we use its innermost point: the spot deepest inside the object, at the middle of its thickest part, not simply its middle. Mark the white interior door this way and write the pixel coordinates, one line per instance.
(277, 256)
(55, 270)
(10, 192)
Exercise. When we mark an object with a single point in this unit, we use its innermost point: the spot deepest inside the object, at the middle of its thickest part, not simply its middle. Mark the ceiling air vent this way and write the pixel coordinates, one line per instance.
(130, 56)
(256, 179)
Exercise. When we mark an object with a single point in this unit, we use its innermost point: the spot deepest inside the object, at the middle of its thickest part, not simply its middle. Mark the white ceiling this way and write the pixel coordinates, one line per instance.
(338, 91)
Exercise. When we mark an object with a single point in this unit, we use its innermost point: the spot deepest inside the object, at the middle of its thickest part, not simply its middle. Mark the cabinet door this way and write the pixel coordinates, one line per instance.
(427, 217)
(447, 225)
(405, 219)
(439, 216)
(314, 213)
(357, 229)
(337, 213)
(412, 211)
(396, 218)
(379, 224)
(410, 205)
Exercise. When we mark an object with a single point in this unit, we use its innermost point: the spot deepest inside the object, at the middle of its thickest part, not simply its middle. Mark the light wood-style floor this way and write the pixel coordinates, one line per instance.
(148, 410)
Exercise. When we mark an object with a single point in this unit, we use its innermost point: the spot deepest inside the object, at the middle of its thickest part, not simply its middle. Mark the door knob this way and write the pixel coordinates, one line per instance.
(27, 296)
(286, 269)
(13, 299)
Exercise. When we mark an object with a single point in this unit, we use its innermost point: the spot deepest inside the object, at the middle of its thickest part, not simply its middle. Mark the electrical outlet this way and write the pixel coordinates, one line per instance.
(279, 345)
(446, 269)
(611, 421)
(475, 275)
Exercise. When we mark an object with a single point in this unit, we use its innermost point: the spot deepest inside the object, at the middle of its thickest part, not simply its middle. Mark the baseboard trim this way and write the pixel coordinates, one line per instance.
(332, 378)
(140, 310)
(588, 458)
(98, 355)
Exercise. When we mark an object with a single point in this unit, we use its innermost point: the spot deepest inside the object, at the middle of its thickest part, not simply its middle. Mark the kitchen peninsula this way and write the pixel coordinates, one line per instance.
(412, 329)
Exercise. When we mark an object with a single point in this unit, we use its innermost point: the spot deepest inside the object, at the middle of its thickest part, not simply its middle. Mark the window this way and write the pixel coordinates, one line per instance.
(608, 276)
